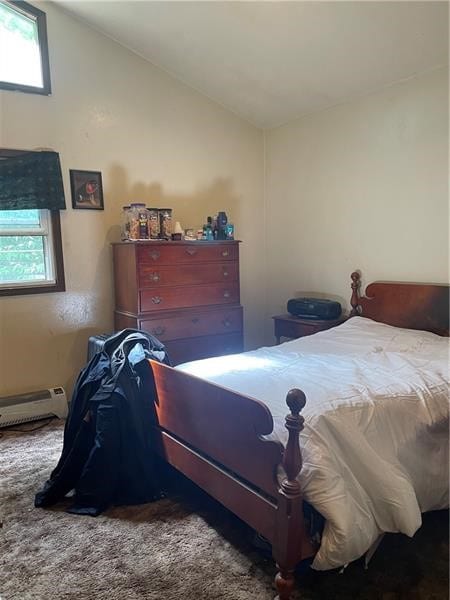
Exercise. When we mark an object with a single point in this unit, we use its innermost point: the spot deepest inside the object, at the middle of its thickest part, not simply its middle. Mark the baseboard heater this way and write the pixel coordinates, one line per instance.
(33, 406)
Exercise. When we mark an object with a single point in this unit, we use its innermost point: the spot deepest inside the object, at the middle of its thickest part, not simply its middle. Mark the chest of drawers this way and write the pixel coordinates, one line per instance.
(185, 293)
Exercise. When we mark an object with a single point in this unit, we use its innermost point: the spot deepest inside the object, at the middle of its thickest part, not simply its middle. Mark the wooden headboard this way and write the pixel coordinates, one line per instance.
(411, 305)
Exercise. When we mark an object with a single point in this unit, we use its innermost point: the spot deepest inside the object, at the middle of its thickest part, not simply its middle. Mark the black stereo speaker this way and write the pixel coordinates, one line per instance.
(314, 308)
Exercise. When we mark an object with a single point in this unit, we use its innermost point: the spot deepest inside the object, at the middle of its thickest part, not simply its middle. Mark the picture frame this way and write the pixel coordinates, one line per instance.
(86, 189)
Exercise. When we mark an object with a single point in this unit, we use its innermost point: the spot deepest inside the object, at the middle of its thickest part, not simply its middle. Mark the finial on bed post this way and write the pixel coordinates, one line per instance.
(290, 529)
(354, 301)
(292, 458)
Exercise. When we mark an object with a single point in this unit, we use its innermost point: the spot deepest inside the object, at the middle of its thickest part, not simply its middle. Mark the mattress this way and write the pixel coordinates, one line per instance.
(375, 443)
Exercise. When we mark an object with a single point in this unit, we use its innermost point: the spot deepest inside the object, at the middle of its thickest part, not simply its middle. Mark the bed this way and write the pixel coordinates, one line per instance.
(237, 449)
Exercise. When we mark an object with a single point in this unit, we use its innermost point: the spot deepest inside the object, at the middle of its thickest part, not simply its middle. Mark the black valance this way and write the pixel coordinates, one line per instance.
(31, 180)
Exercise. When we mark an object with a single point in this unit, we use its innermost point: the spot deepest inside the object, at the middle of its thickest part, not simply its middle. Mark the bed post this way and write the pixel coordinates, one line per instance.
(290, 539)
(356, 283)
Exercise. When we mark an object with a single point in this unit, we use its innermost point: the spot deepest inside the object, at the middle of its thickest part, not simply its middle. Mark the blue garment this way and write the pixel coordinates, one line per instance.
(107, 456)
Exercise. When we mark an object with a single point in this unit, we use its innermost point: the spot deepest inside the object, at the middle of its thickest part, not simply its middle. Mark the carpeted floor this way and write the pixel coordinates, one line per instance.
(183, 548)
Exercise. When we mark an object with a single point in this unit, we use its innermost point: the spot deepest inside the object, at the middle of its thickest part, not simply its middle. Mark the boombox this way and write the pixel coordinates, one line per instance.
(314, 308)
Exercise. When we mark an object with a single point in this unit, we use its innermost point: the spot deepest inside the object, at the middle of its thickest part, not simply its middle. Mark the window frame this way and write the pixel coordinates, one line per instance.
(58, 259)
(54, 236)
(41, 21)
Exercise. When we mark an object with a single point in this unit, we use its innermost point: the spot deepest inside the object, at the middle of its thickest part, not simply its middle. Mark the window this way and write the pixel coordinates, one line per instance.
(24, 61)
(30, 252)
(31, 196)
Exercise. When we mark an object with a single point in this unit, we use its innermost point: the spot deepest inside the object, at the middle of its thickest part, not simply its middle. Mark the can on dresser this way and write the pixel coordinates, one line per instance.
(153, 223)
(165, 223)
(125, 223)
(143, 222)
(137, 222)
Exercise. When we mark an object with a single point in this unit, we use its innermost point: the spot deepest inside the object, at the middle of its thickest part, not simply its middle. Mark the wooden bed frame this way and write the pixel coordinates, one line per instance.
(214, 436)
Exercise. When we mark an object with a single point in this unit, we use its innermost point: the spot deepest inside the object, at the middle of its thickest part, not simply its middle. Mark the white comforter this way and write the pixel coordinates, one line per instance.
(375, 442)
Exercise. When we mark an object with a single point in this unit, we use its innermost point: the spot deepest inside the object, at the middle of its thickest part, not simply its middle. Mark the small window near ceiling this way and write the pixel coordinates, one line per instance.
(30, 252)
(24, 63)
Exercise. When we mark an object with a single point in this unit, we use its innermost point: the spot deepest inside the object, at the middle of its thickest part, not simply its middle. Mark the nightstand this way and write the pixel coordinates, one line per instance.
(295, 327)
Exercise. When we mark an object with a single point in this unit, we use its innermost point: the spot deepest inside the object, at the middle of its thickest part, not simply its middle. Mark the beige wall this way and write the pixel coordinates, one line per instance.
(156, 141)
(363, 185)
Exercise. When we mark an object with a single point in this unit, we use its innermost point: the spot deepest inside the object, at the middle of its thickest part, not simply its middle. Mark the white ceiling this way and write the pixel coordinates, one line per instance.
(271, 62)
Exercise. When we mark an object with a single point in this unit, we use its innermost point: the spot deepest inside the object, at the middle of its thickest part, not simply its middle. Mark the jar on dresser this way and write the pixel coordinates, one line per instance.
(186, 293)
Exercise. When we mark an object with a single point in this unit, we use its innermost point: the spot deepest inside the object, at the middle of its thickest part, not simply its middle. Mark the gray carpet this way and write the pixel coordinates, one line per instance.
(186, 547)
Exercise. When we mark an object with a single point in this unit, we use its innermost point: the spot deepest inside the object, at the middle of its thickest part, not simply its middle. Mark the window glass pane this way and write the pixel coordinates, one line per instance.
(20, 219)
(22, 258)
(20, 57)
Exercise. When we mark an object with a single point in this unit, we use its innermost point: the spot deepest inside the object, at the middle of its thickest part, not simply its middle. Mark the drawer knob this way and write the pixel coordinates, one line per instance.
(225, 252)
(154, 277)
(226, 294)
(155, 254)
(195, 320)
(225, 273)
(156, 300)
(191, 251)
(226, 322)
(158, 330)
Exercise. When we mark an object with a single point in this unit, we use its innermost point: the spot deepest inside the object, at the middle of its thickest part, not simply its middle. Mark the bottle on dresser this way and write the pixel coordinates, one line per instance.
(222, 221)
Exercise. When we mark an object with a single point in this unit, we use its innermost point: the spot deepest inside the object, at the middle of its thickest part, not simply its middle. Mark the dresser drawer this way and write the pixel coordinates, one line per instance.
(203, 347)
(162, 275)
(194, 323)
(167, 298)
(194, 252)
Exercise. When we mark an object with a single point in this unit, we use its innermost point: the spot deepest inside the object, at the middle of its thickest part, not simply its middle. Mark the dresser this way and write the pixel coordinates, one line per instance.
(184, 293)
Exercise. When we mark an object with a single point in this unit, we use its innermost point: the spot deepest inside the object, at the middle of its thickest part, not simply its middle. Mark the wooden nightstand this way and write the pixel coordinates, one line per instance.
(295, 327)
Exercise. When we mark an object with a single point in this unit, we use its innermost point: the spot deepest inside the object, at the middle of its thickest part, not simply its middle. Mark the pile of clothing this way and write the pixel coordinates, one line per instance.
(108, 457)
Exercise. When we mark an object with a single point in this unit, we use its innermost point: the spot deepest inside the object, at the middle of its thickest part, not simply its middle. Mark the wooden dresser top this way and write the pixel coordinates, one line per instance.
(176, 243)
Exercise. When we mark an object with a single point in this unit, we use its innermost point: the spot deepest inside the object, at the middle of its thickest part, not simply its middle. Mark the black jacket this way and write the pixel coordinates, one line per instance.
(107, 454)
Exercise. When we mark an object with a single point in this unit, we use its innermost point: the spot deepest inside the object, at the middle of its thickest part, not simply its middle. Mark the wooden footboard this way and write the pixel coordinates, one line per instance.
(216, 438)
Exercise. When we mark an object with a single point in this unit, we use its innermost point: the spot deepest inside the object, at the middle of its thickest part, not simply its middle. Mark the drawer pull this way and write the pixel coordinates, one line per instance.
(158, 330)
(156, 300)
(155, 254)
(226, 294)
(195, 320)
(154, 277)
(226, 323)
(191, 251)
(225, 253)
(225, 273)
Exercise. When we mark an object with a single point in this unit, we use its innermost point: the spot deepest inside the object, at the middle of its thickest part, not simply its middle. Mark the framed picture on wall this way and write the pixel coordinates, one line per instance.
(86, 188)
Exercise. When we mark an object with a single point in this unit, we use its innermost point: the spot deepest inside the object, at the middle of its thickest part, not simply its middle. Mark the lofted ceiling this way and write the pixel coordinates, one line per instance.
(272, 62)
